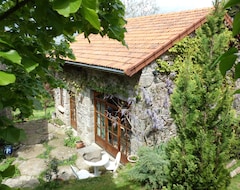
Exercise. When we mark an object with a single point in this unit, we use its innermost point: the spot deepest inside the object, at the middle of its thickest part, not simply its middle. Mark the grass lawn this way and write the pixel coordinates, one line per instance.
(103, 182)
(40, 114)
(235, 181)
(37, 114)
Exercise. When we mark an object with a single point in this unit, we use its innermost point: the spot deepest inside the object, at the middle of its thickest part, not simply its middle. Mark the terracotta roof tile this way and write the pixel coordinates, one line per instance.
(147, 37)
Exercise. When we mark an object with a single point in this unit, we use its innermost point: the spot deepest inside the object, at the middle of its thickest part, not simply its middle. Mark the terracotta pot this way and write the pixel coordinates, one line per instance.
(80, 144)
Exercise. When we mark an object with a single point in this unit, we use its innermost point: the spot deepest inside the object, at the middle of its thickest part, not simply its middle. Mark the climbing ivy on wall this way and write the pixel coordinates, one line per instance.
(79, 80)
(174, 64)
(107, 87)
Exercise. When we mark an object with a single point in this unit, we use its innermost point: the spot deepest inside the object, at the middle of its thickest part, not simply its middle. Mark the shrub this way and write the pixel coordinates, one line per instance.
(70, 141)
(235, 143)
(151, 170)
(201, 106)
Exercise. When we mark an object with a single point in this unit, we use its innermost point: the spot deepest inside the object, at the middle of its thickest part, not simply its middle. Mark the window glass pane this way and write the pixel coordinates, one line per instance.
(112, 122)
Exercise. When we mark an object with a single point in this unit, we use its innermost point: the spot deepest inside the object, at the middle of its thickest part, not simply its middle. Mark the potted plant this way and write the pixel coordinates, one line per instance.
(80, 144)
(73, 141)
(133, 158)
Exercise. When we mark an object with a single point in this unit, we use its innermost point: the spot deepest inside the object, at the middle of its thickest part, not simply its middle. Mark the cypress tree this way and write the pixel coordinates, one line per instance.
(201, 106)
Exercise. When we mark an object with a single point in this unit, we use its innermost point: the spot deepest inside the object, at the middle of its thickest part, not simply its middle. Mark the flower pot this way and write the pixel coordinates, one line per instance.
(132, 158)
(80, 144)
(8, 150)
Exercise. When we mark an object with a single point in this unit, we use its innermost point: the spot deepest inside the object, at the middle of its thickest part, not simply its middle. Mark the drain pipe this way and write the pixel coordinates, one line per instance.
(106, 69)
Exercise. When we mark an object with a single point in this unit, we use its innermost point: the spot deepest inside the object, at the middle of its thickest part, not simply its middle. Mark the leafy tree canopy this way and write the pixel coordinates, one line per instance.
(228, 60)
(34, 39)
(35, 36)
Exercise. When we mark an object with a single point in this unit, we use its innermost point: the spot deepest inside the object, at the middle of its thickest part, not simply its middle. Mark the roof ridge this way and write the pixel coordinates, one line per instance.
(171, 13)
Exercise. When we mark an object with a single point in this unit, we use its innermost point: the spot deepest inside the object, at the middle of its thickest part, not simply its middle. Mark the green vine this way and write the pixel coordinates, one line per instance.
(137, 93)
(97, 83)
(164, 67)
(177, 55)
(107, 88)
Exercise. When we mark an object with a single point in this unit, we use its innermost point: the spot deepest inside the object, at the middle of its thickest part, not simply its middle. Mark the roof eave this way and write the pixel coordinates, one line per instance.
(96, 67)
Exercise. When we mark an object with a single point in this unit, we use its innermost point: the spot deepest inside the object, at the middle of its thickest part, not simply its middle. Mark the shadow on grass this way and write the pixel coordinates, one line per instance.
(104, 182)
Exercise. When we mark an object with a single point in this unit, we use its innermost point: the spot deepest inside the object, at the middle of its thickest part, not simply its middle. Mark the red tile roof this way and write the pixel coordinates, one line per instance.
(147, 37)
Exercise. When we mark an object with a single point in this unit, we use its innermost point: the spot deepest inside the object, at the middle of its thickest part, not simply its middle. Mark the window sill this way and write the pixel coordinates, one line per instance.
(61, 109)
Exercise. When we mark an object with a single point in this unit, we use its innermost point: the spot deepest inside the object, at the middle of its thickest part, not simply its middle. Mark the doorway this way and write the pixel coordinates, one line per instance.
(73, 113)
(112, 129)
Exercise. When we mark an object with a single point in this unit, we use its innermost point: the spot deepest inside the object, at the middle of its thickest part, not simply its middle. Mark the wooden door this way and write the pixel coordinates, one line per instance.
(73, 115)
(110, 132)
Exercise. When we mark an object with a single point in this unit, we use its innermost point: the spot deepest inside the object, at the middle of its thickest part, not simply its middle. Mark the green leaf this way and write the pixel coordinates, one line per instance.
(6, 78)
(65, 8)
(226, 63)
(91, 16)
(6, 43)
(237, 91)
(92, 4)
(5, 187)
(11, 55)
(9, 171)
(236, 24)
(37, 104)
(227, 60)
(237, 71)
(12, 134)
(231, 3)
(29, 64)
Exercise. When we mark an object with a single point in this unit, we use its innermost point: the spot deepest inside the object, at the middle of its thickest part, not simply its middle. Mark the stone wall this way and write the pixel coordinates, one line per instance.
(84, 112)
(151, 122)
(149, 113)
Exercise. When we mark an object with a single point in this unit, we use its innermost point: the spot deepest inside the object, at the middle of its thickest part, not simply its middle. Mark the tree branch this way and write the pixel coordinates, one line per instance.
(13, 9)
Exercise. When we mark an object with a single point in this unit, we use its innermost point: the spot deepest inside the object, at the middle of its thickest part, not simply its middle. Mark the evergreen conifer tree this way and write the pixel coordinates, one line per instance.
(202, 110)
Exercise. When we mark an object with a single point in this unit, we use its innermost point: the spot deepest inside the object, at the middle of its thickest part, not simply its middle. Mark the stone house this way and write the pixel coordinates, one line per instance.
(114, 96)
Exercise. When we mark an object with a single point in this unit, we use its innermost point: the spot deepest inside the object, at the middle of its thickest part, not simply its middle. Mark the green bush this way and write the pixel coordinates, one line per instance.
(151, 170)
(70, 141)
(235, 143)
